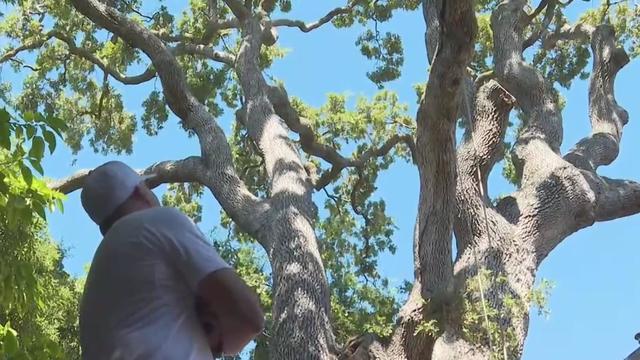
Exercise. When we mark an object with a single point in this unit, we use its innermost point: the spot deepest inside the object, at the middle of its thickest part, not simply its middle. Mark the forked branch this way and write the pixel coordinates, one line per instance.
(310, 144)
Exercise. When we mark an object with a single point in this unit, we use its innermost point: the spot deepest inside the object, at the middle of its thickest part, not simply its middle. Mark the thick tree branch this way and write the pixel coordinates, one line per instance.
(314, 25)
(577, 32)
(575, 197)
(617, 199)
(164, 172)
(607, 117)
(538, 144)
(220, 177)
(436, 152)
(476, 157)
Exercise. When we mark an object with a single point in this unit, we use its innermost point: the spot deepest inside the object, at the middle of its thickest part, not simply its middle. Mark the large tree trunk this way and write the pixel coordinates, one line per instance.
(301, 328)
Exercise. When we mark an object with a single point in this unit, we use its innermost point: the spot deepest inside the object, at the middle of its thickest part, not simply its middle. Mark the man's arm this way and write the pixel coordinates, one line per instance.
(234, 309)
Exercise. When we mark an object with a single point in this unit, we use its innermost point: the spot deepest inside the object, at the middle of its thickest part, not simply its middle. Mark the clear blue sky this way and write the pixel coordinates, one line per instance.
(595, 305)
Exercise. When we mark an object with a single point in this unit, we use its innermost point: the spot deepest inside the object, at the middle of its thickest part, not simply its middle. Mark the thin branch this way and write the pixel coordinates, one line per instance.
(103, 93)
(83, 53)
(358, 211)
(138, 12)
(34, 45)
(314, 25)
(484, 77)
(26, 66)
(89, 56)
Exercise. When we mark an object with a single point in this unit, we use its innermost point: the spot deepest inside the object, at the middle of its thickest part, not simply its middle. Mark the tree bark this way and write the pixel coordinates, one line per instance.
(301, 295)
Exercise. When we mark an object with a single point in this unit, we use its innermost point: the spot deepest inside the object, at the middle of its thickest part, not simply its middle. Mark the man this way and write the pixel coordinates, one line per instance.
(156, 290)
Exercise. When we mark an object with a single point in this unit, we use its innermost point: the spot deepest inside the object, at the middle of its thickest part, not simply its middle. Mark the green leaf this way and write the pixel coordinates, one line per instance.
(5, 135)
(18, 132)
(60, 205)
(39, 209)
(31, 131)
(56, 124)
(37, 148)
(26, 174)
(4, 115)
(29, 116)
(36, 165)
(11, 343)
(4, 188)
(50, 138)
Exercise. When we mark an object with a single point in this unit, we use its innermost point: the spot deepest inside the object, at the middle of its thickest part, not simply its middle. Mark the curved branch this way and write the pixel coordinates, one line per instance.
(83, 53)
(607, 117)
(310, 145)
(539, 141)
(219, 175)
(436, 119)
(543, 4)
(147, 75)
(314, 25)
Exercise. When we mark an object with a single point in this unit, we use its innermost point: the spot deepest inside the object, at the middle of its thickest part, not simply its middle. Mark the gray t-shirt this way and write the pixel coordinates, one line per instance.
(138, 301)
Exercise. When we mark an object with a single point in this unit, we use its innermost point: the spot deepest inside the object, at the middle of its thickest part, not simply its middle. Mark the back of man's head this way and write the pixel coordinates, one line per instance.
(108, 189)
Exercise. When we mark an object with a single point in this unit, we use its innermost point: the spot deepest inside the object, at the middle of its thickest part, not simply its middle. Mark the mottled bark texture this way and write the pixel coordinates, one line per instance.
(558, 195)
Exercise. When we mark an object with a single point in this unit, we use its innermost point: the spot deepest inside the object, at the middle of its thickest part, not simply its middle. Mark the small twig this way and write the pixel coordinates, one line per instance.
(335, 199)
(136, 11)
(105, 90)
(26, 66)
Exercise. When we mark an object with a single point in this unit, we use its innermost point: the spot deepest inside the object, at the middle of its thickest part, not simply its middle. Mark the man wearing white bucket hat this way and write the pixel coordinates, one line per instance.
(156, 289)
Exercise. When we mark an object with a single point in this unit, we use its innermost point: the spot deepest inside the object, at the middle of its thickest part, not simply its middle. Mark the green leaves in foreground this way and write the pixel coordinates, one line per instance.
(24, 143)
(38, 300)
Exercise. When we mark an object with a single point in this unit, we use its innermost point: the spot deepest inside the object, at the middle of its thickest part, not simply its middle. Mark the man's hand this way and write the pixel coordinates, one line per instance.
(208, 321)
(233, 309)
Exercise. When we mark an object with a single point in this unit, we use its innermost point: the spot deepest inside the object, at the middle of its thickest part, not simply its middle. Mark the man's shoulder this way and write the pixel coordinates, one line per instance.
(168, 216)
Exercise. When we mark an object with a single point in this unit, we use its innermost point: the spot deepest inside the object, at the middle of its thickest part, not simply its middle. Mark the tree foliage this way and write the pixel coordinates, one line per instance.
(38, 301)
